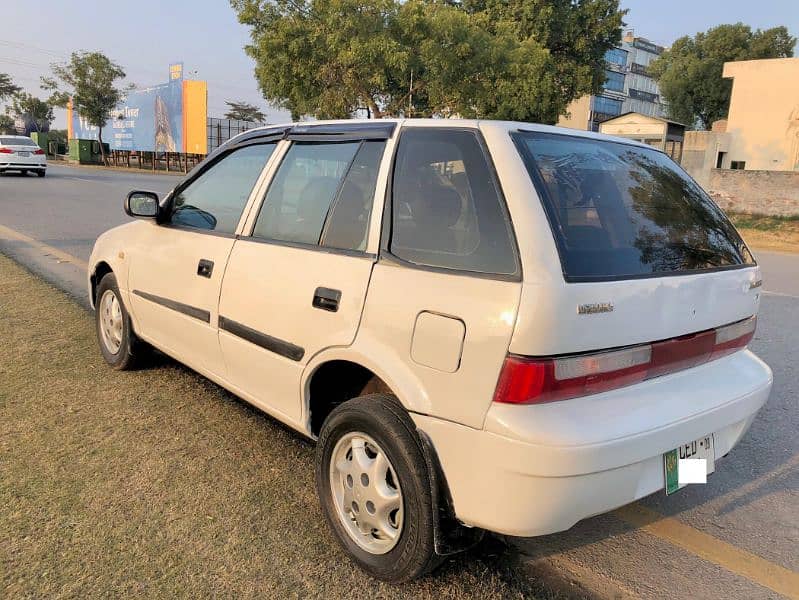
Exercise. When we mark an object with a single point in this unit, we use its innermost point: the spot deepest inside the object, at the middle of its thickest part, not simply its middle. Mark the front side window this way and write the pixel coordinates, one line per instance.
(303, 190)
(446, 207)
(216, 199)
(619, 210)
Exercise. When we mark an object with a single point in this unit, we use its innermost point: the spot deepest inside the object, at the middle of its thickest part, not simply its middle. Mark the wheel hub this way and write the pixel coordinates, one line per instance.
(366, 493)
(110, 315)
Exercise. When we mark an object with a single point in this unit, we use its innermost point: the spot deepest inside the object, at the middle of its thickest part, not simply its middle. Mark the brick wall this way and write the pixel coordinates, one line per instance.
(773, 193)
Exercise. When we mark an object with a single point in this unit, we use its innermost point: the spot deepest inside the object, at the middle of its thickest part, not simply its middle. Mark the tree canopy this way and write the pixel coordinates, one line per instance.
(244, 111)
(27, 106)
(7, 88)
(89, 80)
(690, 72)
(505, 59)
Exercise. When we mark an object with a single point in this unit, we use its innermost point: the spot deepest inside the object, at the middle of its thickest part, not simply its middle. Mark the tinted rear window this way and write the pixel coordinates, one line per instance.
(12, 141)
(621, 211)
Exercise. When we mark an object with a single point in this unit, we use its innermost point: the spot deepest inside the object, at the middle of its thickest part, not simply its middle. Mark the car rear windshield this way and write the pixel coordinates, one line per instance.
(621, 211)
(19, 141)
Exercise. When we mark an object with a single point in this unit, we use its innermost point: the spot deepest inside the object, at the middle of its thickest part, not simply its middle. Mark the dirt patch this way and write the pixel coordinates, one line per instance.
(768, 233)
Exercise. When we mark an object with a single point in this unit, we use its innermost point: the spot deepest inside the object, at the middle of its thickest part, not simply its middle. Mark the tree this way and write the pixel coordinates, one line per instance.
(512, 59)
(7, 125)
(7, 89)
(690, 72)
(88, 79)
(244, 111)
(35, 111)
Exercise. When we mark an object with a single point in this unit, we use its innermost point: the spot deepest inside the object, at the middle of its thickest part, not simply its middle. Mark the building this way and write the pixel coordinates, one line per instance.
(749, 162)
(763, 120)
(628, 88)
(661, 133)
(761, 132)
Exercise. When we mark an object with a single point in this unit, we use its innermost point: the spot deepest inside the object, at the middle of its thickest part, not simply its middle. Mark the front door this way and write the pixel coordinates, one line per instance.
(176, 268)
(297, 283)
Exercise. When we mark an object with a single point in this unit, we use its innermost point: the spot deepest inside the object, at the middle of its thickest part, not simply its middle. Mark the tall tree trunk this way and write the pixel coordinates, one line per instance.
(102, 149)
(376, 113)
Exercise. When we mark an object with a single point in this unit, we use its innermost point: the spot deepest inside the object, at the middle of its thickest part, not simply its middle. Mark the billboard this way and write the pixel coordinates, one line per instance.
(162, 118)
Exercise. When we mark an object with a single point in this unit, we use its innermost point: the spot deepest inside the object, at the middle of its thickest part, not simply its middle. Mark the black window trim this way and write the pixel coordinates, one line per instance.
(385, 254)
(542, 191)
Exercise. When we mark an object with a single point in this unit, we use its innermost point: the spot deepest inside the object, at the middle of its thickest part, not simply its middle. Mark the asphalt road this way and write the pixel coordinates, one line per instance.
(737, 537)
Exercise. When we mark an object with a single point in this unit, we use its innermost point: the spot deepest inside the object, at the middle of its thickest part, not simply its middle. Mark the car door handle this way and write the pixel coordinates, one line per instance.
(326, 299)
(205, 268)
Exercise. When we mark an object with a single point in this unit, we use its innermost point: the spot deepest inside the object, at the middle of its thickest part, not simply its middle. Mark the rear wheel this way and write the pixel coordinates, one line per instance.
(119, 345)
(375, 490)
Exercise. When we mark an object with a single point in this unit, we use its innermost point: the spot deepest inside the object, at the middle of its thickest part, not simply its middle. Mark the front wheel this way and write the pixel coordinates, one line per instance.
(41, 172)
(375, 490)
(119, 345)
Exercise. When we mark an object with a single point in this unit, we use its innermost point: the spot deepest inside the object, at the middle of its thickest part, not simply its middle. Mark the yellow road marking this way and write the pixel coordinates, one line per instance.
(11, 234)
(756, 569)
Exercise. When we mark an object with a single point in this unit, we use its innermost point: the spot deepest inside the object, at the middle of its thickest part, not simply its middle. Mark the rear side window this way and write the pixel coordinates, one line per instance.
(621, 211)
(348, 224)
(300, 196)
(446, 206)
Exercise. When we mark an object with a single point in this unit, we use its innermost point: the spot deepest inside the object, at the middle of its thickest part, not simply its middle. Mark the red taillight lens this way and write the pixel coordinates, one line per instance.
(6, 151)
(526, 380)
(39, 151)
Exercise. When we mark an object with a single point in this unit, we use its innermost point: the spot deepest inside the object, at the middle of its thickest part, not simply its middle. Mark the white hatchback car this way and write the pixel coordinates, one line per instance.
(21, 153)
(486, 325)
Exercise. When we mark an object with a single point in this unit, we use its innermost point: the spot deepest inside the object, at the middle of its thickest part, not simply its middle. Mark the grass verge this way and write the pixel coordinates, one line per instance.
(158, 483)
(768, 233)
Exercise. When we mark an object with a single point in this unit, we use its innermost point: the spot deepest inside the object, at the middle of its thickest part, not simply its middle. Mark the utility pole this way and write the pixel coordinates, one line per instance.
(410, 96)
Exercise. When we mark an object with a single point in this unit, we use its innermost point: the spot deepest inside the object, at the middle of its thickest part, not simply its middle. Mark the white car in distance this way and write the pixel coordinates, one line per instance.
(485, 325)
(21, 153)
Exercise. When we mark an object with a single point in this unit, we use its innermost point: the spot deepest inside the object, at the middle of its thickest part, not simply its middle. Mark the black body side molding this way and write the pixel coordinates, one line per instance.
(186, 309)
(266, 342)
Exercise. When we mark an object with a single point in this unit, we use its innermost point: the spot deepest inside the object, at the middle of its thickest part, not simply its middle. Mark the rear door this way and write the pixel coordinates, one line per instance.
(444, 294)
(176, 267)
(296, 283)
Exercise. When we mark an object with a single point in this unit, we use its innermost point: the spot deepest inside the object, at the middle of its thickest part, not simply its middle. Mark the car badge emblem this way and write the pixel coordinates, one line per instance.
(596, 307)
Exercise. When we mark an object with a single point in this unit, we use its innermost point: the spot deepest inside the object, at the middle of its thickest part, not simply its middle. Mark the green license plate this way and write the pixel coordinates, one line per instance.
(701, 448)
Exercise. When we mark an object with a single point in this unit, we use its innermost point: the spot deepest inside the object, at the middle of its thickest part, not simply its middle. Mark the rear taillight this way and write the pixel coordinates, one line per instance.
(6, 151)
(39, 151)
(525, 380)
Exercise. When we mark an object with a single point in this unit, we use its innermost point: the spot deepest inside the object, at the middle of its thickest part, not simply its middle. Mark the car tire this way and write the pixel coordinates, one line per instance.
(120, 346)
(361, 436)
(41, 173)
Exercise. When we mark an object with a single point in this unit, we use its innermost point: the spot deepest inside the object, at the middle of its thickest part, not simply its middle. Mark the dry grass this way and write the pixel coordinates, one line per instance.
(768, 233)
(157, 483)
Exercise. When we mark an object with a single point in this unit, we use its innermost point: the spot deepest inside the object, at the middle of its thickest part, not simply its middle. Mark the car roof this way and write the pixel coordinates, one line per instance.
(508, 126)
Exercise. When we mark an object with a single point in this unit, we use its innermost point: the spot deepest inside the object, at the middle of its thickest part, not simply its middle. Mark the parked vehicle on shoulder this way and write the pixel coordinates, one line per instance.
(20, 153)
(484, 325)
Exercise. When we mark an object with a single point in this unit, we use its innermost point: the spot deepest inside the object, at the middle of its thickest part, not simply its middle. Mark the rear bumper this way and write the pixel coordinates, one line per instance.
(26, 163)
(535, 470)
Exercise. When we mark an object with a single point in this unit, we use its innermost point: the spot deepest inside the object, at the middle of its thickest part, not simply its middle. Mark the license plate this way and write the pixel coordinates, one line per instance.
(698, 449)
(24, 154)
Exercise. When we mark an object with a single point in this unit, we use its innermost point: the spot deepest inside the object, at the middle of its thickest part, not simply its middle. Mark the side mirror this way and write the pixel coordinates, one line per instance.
(142, 205)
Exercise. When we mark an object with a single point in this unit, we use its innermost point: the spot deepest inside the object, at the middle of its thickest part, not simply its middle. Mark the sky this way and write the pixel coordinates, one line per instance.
(146, 36)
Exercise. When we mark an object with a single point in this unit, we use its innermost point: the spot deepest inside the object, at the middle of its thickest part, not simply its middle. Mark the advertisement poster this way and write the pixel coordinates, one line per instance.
(152, 119)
